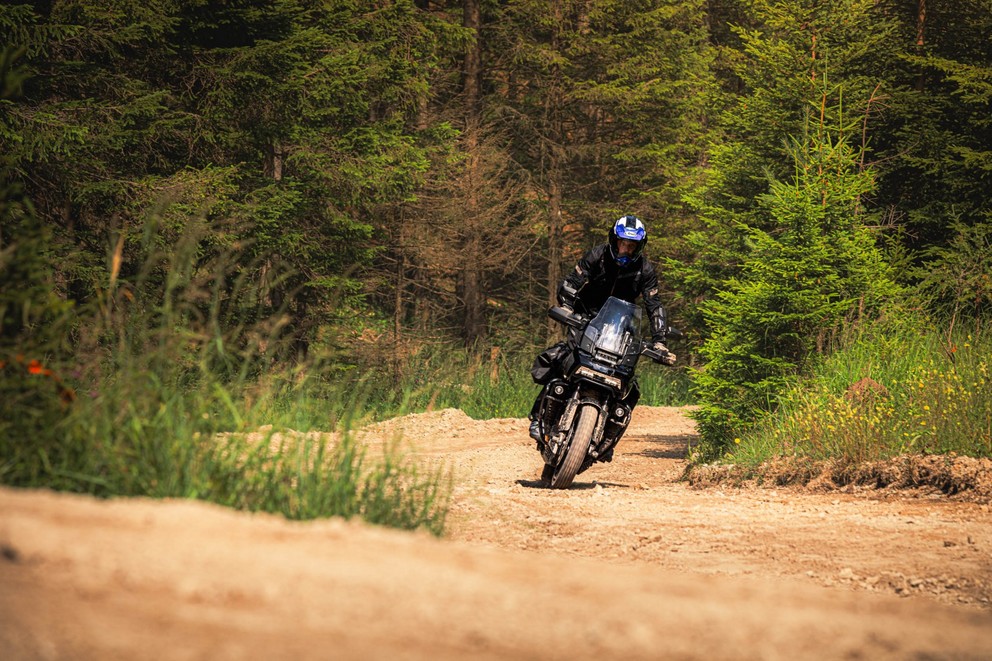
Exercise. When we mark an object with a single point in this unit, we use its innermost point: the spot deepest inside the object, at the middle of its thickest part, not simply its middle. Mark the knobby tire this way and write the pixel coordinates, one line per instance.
(577, 449)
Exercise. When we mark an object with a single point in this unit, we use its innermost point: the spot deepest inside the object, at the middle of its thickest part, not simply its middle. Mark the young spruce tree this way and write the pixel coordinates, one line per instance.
(811, 263)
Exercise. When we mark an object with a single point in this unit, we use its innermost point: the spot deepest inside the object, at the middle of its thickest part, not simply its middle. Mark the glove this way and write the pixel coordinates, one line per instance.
(667, 357)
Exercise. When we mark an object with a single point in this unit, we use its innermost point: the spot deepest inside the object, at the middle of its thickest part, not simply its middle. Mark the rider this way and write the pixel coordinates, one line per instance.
(616, 268)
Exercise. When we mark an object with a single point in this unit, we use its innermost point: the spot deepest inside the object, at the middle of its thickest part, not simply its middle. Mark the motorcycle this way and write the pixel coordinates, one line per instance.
(586, 407)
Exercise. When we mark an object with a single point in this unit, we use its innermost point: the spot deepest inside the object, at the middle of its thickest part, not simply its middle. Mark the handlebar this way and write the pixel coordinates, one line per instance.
(567, 317)
(573, 319)
(649, 351)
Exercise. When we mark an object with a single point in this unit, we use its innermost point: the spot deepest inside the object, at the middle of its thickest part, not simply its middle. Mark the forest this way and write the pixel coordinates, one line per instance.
(224, 202)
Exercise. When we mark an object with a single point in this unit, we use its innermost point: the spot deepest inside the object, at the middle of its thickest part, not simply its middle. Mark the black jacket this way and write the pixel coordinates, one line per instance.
(597, 277)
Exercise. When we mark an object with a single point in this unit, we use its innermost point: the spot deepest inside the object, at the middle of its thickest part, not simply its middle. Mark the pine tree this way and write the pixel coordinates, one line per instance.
(811, 264)
(788, 55)
(608, 104)
(934, 146)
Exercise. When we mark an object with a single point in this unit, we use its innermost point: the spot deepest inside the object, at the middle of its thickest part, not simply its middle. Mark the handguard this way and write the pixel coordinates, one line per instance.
(659, 355)
(566, 316)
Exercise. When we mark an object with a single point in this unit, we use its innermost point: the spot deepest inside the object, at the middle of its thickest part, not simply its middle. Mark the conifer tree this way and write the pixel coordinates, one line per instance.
(788, 55)
(934, 146)
(609, 104)
(811, 264)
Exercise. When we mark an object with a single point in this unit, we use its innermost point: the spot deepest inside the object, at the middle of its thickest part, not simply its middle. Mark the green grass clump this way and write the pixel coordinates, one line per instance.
(158, 387)
(142, 437)
(928, 394)
(494, 386)
(661, 386)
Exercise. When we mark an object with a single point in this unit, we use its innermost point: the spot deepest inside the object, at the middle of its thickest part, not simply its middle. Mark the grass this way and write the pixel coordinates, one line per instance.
(499, 387)
(144, 435)
(662, 386)
(170, 372)
(928, 394)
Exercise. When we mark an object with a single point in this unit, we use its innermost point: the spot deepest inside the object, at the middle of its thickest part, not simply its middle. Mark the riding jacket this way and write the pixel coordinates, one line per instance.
(597, 276)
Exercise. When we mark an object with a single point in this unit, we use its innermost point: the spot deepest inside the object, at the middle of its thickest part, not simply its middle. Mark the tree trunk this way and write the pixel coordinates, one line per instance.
(921, 22)
(471, 278)
(555, 247)
(472, 20)
(554, 141)
(398, 315)
(273, 160)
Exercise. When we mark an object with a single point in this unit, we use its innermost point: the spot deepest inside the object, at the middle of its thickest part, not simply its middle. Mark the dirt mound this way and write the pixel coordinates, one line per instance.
(964, 478)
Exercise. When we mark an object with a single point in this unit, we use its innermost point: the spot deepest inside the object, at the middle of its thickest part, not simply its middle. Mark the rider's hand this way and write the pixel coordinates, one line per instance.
(667, 357)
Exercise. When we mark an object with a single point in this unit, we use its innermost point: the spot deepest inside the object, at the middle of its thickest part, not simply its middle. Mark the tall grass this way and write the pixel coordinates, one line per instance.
(174, 369)
(662, 386)
(928, 393)
(498, 385)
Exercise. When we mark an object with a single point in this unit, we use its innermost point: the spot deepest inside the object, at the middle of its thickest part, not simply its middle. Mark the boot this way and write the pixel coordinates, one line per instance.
(535, 430)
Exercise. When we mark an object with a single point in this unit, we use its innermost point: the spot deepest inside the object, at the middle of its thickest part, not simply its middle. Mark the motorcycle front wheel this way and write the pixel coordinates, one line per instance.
(562, 476)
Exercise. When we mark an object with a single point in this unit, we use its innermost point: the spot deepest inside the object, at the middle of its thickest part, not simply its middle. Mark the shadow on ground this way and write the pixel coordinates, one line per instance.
(666, 447)
(577, 486)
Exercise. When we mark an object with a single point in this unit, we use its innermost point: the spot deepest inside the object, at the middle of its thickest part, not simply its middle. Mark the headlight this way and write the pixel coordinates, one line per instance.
(593, 375)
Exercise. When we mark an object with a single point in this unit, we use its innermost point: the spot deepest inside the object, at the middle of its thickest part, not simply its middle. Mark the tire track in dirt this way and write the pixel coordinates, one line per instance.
(635, 509)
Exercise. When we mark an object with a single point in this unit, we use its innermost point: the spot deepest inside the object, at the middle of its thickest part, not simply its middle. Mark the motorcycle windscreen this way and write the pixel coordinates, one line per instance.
(613, 330)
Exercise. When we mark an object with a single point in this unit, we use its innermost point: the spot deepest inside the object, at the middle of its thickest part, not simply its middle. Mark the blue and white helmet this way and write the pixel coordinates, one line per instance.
(632, 229)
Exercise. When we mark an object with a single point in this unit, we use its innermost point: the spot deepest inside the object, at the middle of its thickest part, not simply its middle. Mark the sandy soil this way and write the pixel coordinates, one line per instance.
(629, 563)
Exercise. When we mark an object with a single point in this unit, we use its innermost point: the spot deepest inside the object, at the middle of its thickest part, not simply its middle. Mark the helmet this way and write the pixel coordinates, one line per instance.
(629, 228)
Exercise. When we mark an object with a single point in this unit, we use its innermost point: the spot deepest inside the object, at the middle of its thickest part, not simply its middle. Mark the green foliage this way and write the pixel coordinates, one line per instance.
(934, 144)
(927, 394)
(279, 178)
(285, 123)
(172, 376)
(33, 320)
(792, 57)
(957, 278)
(619, 94)
(815, 266)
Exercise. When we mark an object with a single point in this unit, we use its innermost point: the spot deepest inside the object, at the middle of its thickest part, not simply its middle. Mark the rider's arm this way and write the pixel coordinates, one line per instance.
(652, 301)
(573, 283)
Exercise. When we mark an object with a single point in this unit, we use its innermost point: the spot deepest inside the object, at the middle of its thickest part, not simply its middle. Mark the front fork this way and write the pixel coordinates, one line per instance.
(556, 446)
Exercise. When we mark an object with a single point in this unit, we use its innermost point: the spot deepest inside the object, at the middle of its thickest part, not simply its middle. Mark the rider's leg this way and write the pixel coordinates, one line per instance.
(544, 368)
(535, 424)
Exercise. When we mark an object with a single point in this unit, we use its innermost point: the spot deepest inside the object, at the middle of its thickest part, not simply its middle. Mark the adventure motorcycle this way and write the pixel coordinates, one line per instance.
(586, 407)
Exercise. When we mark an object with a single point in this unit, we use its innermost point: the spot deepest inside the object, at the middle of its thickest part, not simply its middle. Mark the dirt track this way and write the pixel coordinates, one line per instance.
(629, 563)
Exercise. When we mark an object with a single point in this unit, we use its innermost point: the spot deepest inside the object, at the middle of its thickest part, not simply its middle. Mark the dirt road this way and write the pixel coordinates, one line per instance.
(629, 563)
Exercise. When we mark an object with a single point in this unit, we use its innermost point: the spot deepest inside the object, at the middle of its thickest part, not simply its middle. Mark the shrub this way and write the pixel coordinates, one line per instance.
(932, 397)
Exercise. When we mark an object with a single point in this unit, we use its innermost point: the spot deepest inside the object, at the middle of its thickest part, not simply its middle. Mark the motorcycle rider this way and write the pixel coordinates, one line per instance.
(616, 268)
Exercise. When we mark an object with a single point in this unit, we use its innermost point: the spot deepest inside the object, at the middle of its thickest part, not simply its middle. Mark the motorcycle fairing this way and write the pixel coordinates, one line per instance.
(611, 341)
